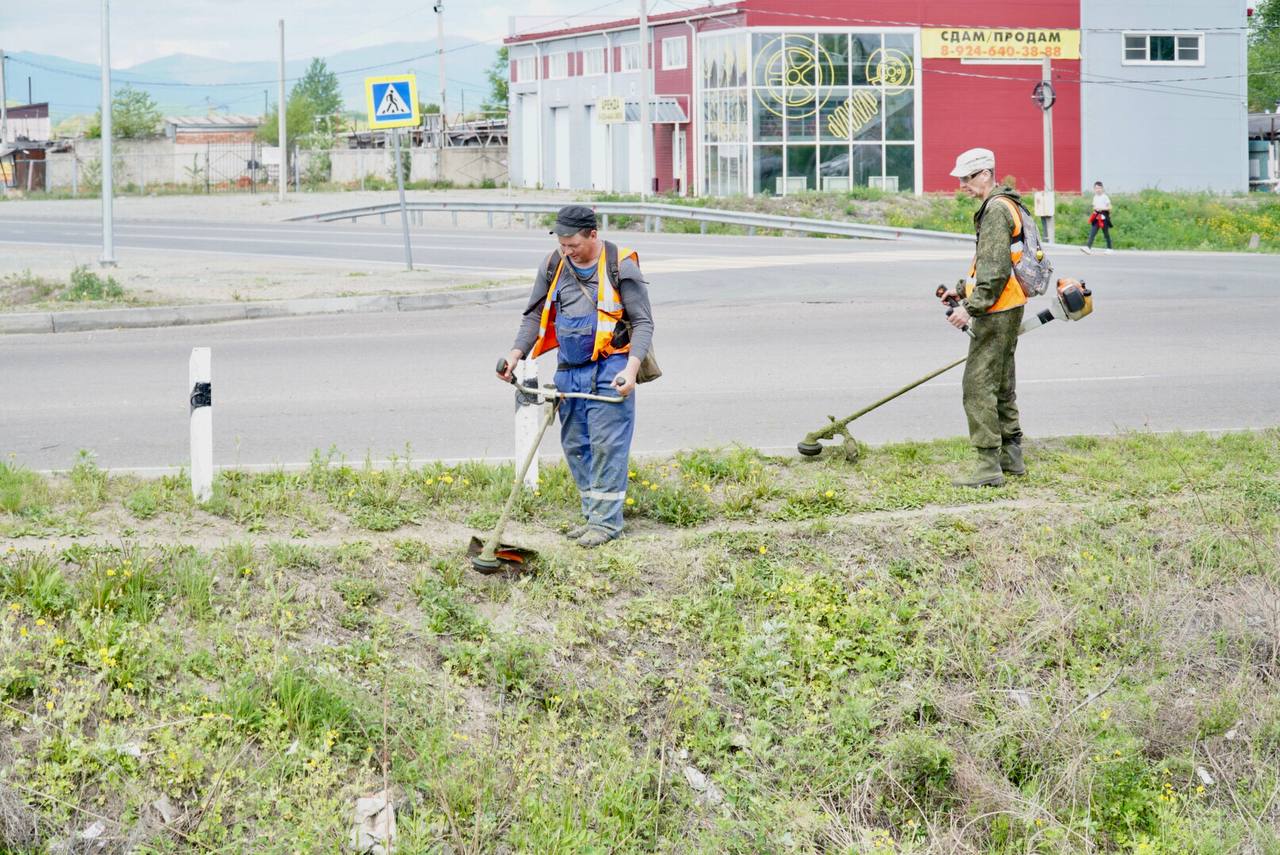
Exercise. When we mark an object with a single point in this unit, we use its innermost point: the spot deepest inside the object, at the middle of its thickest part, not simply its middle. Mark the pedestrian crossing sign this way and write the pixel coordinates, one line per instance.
(393, 101)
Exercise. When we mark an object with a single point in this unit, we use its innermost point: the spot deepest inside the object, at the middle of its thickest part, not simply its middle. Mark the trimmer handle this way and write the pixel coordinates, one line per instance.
(952, 304)
(501, 368)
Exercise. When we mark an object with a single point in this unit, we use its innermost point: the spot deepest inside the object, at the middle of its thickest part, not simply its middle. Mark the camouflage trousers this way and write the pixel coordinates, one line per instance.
(990, 393)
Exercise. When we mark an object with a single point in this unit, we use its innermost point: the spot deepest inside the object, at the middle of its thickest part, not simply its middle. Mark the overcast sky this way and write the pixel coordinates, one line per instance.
(246, 29)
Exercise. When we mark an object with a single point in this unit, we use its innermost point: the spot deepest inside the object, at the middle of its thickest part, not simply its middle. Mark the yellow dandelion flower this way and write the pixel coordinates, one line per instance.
(351, 492)
(830, 494)
(110, 572)
(644, 483)
(763, 550)
(23, 632)
(1104, 714)
(48, 705)
(40, 621)
(706, 488)
(58, 642)
(630, 501)
(653, 486)
(630, 474)
(466, 482)
(14, 607)
(430, 481)
(104, 652)
(448, 479)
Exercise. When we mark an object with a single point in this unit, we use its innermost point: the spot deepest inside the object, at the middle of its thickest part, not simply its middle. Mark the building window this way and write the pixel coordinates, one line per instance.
(593, 61)
(675, 53)
(1164, 49)
(526, 69)
(631, 57)
(558, 67)
(789, 112)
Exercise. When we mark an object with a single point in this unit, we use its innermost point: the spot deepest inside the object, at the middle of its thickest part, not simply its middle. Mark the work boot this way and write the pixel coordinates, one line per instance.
(1011, 462)
(595, 537)
(577, 531)
(987, 473)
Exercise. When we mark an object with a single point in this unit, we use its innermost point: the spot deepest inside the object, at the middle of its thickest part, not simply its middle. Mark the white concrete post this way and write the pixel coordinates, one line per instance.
(200, 386)
(528, 421)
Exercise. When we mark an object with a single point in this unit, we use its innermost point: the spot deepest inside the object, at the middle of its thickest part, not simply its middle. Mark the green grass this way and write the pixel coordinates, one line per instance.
(857, 659)
(25, 290)
(1151, 220)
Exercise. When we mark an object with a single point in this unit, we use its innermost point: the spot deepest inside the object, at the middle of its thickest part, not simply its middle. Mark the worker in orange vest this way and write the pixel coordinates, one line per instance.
(991, 304)
(591, 303)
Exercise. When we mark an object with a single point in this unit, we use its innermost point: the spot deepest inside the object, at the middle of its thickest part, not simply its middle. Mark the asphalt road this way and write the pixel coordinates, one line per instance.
(760, 339)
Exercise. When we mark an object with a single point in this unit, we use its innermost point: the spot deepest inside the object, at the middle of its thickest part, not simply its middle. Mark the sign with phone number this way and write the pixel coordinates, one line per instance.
(956, 43)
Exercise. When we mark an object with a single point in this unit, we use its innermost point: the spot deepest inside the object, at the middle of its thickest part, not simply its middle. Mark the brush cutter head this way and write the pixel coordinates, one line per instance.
(506, 558)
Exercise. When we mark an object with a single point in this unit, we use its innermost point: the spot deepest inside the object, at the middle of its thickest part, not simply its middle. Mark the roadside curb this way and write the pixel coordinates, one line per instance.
(211, 313)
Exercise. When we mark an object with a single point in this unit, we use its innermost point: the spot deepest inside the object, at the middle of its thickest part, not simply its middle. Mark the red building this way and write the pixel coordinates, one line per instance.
(772, 97)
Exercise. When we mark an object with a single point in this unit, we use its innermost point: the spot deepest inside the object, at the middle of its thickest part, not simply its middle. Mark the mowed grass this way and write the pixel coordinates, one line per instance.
(783, 656)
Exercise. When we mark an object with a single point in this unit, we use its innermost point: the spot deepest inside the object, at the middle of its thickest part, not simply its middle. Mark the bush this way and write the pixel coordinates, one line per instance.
(87, 285)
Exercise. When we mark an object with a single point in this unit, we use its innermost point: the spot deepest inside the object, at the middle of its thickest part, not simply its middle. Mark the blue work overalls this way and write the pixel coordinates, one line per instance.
(595, 436)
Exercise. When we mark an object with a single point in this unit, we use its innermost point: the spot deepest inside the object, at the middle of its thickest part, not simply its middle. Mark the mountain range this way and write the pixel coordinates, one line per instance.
(185, 85)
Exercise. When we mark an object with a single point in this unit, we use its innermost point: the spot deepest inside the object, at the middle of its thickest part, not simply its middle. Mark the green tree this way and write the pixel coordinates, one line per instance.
(499, 79)
(319, 86)
(1264, 57)
(134, 115)
(299, 121)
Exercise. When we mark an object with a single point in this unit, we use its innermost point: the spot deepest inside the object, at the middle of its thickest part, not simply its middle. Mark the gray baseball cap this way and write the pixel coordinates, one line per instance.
(572, 219)
(974, 160)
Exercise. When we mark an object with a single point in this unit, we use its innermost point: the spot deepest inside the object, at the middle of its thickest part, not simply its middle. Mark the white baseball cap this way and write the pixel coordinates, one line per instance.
(974, 160)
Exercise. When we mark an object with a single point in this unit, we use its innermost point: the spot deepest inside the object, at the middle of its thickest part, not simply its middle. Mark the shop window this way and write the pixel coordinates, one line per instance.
(866, 163)
(768, 170)
(836, 48)
(802, 166)
(899, 168)
(900, 115)
(833, 168)
(862, 47)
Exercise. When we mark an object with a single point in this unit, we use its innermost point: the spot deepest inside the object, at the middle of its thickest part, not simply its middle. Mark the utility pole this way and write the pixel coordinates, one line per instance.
(266, 108)
(646, 132)
(1050, 201)
(444, 112)
(280, 127)
(108, 233)
(4, 111)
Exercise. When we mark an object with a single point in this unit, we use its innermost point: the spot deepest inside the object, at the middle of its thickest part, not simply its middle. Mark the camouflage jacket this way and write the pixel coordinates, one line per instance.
(994, 267)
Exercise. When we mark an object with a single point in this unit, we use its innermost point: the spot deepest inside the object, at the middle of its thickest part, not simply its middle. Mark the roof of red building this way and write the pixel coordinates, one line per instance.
(622, 23)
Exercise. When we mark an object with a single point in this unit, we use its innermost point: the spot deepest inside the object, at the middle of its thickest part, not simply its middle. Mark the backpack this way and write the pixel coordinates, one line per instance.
(649, 369)
(1031, 266)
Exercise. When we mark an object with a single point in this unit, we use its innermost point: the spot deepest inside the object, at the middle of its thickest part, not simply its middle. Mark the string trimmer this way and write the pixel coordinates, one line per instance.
(1073, 302)
(492, 556)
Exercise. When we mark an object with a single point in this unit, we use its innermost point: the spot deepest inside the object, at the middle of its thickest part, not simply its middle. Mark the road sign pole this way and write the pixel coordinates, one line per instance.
(1048, 153)
(404, 212)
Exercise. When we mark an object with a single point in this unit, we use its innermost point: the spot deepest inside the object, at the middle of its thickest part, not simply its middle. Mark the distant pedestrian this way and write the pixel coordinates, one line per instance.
(1100, 218)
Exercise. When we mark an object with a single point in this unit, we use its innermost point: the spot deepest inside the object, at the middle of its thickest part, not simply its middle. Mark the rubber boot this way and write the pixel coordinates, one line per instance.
(987, 473)
(1011, 462)
(577, 531)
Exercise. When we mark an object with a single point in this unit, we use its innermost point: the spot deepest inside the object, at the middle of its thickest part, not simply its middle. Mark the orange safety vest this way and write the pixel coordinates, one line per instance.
(608, 310)
(1012, 296)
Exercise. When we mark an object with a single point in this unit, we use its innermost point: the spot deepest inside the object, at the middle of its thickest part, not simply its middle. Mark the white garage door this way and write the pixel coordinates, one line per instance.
(530, 174)
(563, 163)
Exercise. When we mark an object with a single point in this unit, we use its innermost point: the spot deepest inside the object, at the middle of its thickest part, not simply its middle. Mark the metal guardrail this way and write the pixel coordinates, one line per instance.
(652, 212)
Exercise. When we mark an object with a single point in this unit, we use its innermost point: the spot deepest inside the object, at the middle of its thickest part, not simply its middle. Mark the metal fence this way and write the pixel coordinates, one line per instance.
(652, 214)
